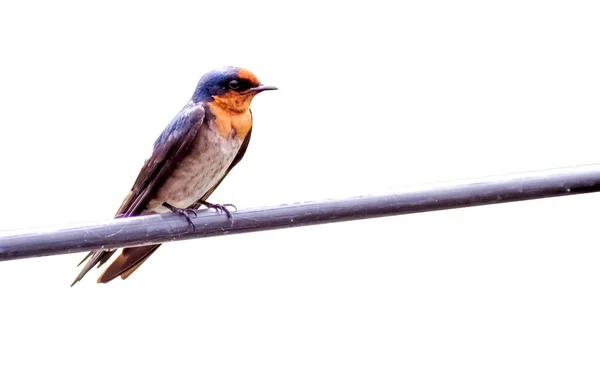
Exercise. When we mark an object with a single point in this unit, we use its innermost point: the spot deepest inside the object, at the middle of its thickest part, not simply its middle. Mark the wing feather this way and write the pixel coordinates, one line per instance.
(132, 258)
(169, 148)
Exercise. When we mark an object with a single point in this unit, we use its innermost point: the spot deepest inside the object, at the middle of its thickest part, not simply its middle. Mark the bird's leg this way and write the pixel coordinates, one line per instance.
(182, 211)
(219, 207)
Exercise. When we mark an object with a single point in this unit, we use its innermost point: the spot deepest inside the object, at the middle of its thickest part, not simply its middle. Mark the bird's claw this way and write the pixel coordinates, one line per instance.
(186, 212)
(222, 208)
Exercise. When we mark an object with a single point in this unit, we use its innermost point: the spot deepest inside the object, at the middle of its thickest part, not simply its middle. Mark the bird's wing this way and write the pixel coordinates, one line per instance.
(132, 258)
(169, 148)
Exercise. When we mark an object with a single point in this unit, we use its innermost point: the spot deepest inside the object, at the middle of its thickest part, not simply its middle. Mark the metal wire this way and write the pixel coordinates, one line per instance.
(139, 231)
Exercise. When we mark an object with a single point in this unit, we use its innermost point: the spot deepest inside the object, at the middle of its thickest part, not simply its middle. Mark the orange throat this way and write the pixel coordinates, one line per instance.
(232, 114)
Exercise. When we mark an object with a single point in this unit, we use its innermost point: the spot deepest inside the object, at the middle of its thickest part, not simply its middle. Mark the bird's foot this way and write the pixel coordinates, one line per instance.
(186, 212)
(219, 207)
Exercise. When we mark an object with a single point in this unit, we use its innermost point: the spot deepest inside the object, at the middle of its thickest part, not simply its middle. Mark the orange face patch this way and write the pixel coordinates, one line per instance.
(243, 73)
(234, 101)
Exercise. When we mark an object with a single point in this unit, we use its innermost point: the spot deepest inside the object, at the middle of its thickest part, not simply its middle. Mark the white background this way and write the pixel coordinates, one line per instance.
(372, 96)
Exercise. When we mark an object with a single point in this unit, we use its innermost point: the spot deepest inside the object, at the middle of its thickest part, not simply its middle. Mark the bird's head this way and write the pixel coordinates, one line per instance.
(231, 88)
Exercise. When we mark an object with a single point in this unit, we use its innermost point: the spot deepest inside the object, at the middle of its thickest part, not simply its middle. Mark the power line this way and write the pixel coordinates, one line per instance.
(142, 230)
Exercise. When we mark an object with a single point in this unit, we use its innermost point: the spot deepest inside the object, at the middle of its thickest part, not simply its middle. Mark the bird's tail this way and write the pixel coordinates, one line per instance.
(97, 257)
(128, 262)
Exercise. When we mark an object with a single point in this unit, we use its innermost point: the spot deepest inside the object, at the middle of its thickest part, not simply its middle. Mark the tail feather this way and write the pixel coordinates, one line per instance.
(97, 257)
(128, 262)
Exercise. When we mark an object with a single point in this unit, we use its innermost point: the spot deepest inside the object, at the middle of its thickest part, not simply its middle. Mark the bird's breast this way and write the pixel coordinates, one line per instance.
(204, 164)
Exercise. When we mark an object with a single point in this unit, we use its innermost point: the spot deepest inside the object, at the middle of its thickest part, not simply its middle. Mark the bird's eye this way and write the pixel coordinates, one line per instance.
(234, 84)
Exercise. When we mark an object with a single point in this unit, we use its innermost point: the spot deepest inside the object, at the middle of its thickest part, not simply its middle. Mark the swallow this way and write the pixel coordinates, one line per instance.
(192, 156)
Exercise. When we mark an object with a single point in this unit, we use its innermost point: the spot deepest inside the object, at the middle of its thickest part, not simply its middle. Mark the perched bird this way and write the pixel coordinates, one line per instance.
(200, 146)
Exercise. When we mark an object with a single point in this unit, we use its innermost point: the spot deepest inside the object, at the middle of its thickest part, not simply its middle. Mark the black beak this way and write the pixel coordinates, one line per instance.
(261, 88)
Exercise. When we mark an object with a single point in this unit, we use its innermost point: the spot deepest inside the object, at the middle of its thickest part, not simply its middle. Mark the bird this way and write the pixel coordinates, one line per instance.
(191, 157)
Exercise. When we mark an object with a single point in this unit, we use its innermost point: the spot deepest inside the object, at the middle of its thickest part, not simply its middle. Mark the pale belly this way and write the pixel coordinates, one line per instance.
(206, 162)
